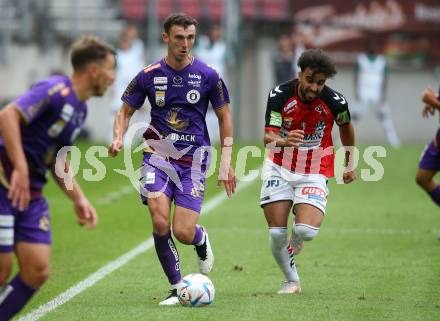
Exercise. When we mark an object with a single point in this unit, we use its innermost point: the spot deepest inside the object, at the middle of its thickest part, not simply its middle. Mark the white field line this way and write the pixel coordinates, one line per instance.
(120, 261)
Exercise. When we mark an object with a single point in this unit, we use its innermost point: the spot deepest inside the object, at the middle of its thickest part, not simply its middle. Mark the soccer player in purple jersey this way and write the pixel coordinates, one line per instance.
(33, 128)
(430, 161)
(179, 88)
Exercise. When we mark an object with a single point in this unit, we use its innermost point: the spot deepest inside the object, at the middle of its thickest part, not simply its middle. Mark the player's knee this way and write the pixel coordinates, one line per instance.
(277, 237)
(35, 274)
(305, 231)
(161, 224)
(183, 234)
(422, 181)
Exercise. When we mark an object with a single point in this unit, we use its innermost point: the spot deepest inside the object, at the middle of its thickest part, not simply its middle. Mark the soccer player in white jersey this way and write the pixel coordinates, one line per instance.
(299, 118)
(371, 75)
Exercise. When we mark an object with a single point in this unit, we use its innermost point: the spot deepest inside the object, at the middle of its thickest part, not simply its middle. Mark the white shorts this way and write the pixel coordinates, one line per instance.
(280, 184)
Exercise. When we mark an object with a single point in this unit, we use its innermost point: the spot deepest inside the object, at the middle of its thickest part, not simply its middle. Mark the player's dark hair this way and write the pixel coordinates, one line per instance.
(89, 49)
(318, 61)
(178, 19)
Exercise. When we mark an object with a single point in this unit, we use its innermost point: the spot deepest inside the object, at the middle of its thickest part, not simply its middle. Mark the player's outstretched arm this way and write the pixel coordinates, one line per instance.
(85, 212)
(120, 125)
(226, 173)
(346, 133)
(19, 193)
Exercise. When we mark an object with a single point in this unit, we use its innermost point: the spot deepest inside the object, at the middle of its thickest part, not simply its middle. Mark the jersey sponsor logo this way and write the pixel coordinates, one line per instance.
(340, 99)
(195, 76)
(160, 80)
(315, 193)
(162, 87)
(67, 112)
(195, 83)
(56, 128)
(275, 119)
(275, 91)
(193, 96)
(160, 98)
(182, 137)
(272, 183)
(177, 81)
(174, 122)
(314, 139)
(290, 105)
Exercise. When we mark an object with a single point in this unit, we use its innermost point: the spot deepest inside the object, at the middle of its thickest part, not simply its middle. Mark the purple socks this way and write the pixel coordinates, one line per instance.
(435, 195)
(168, 256)
(13, 297)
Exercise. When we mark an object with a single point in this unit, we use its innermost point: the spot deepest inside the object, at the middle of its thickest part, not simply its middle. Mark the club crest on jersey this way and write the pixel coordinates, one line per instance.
(160, 98)
(193, 96)
(319, 109)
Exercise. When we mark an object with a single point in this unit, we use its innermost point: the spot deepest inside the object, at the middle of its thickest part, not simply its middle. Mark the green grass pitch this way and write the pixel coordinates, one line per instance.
(376, 257)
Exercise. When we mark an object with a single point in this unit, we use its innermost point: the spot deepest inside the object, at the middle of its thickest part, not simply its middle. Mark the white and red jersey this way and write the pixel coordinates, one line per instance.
(286, 112)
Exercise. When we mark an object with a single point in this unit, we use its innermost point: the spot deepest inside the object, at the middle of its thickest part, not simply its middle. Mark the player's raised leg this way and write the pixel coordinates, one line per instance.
(308, 219)
(277, 214)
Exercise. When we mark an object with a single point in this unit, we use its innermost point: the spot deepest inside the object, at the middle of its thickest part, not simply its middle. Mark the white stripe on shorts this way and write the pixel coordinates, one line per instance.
(6, 236)
(6, 220)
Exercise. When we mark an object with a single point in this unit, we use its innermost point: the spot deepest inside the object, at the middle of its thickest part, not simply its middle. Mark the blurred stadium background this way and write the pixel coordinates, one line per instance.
(377, 256)
(35, 35)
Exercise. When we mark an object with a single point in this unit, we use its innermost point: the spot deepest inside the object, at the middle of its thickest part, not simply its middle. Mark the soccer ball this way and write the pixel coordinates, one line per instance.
(196, 290)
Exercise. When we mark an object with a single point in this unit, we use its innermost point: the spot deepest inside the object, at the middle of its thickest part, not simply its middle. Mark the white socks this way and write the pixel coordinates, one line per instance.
(278, 244)
(305, 231)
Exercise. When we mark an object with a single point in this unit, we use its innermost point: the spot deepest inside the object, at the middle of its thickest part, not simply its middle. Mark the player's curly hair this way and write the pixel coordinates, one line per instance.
(318, 61)
(178, 19)
(89, 49)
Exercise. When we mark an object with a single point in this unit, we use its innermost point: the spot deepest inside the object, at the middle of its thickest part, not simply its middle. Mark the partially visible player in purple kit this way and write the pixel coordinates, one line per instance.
(179, 89)
(33, 128)
(430, 161)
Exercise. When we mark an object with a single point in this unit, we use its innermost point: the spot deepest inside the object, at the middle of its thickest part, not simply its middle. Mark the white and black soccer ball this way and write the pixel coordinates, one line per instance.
(196, 290)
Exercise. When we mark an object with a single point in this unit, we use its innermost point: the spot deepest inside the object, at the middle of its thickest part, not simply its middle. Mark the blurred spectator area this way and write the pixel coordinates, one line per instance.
(208, 10)
(47, 20)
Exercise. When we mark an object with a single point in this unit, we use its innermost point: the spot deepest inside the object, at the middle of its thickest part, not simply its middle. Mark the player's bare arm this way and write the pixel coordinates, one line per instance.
(226, 132)
(293, 138)
(120, 126)
(10, 120)
(430, 99)
(85, 212)
(346, 133)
